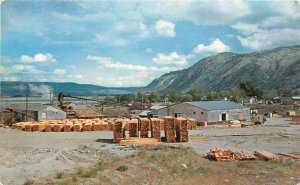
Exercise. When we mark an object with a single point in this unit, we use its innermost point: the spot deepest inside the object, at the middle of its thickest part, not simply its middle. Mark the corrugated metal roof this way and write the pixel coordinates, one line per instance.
(216, 105)
(157, 107)
(31, 107)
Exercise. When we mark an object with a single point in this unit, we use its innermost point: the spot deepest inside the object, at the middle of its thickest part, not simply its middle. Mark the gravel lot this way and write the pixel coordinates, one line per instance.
(39, 155)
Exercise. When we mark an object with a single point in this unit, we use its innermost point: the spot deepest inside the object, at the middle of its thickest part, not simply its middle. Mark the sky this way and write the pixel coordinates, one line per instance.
(129, 43)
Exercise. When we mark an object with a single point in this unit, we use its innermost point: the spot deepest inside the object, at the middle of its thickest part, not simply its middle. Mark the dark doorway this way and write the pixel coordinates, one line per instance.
(223, 117)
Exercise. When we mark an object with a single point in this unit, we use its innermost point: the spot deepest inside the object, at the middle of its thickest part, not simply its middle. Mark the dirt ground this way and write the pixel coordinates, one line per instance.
(40, 156)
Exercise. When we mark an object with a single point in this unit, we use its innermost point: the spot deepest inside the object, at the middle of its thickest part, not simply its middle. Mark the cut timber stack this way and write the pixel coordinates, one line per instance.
(155, 128)
(28, 127)
(87, 126)
(104, 126)
(181, 130)
(38, 127)
(49, 128)
(221, 155)
(244, 155)
(145, 124)
(118, 131)
(266, 155)
(68, 127)
(133, 128)
(97, 126)
(289, 155)
(77, 127)
(192, 124)
(58, 127)
(169, 123)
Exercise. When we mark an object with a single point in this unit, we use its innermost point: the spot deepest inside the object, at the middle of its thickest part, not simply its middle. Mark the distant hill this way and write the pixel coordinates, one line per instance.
(278, 68)
(68, 88)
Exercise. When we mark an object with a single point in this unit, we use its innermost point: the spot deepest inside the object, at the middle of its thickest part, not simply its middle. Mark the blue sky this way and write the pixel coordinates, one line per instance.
(130, 43)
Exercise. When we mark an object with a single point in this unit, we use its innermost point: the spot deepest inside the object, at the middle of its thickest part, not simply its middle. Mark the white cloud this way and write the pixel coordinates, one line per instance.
(245, 28)
(38, 58)
(216, 46)
(59, 71)
(165, 28)
(265, 39)
(149, 50)
(109, 63)
(170, 59)
(26, 69)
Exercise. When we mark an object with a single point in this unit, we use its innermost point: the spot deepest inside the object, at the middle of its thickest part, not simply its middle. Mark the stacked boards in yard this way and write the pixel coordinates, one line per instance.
(145, 124)
(155, 128)
(133, 128)
(118, 131)
(192, 124)
(170, 129)
(39, 127)
(181, 130)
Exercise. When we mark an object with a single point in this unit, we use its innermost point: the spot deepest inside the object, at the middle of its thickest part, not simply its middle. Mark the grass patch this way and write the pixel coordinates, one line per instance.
(79, 171)
(59, 175)
(65, 182)
(92, 173)
(28, 182)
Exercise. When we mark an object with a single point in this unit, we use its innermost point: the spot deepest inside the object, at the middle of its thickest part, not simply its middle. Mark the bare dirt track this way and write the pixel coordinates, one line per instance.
(40, 155)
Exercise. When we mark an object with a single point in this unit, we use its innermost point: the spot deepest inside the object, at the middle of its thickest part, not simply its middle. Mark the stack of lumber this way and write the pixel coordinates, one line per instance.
(289, 155)
(145, 124)
(28, 127)
(162, 125)
(221, 155)
(68, 127)
(87, 126)
(202, 124)
(169, 123)
(244, 155)
(77, 127)
(235, 123)
(97, 126)
(266, 155)
(58, 127)
(133, 128)
(228, 155)
(118, 131)
(38, 127)
(49, 128)
(181, 130)
(155, 128)
(110, 125)
(192, 124)
(295, 119)
(139, 141)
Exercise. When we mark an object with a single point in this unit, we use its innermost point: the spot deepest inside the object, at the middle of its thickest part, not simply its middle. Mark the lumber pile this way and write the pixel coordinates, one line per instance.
(28, 127)
(97, 126)
(228, 155)
(87, 126)
(181, 130)
(266, 155)
(58, 127)
(290, 155)
(49, 128)
(139, 141)
(40, 127)
(192, 124)
(295, 119)
(170, 130)
(133, 128)
(202, 124)
(118, 131)
(145, 124)
(77, 127)
(235, 123)
(155, 128)
(244, 155)
(68, 127)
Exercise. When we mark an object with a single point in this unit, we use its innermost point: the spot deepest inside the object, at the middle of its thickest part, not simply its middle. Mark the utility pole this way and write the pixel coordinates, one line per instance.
(50, 92)
(27, 94)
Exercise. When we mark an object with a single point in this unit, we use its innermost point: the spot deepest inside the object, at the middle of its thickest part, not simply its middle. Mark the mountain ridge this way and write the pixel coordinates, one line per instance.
(270, 69)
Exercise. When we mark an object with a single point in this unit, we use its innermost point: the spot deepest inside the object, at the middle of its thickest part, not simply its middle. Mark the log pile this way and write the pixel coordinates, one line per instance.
(58, 127)
(133, 128)
(49, 128)
(87, 126)
(155, 128)
(266, 155)
(181, 130)
(170, 130)
(68, 127)
(145, 125)
(40, 127)
(77, 127)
